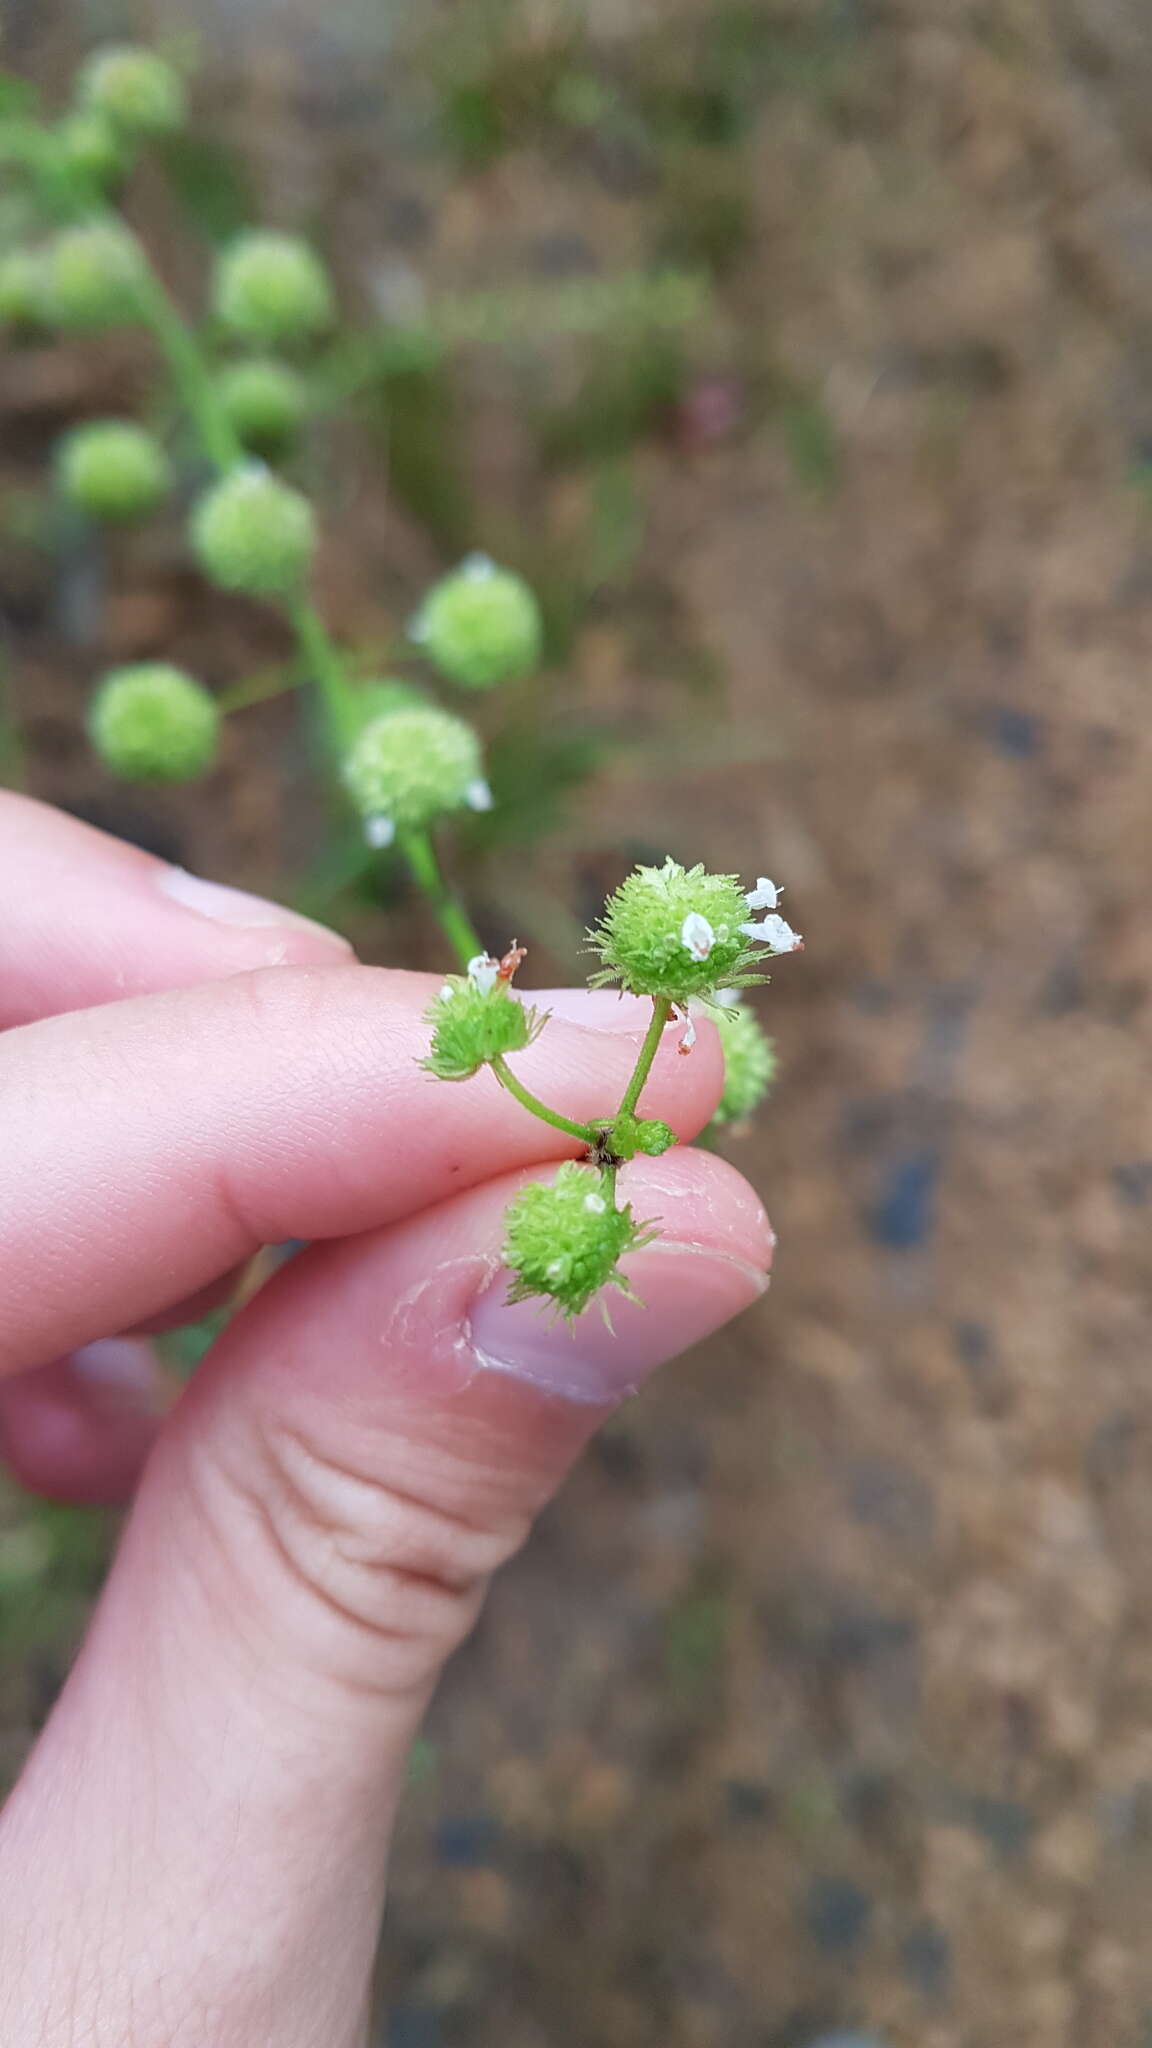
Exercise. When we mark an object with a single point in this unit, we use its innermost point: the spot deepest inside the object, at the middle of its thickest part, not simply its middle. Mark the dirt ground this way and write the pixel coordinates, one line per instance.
(847, 1628)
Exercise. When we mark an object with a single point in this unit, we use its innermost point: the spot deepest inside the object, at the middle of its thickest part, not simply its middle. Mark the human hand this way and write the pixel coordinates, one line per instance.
(197, 1848)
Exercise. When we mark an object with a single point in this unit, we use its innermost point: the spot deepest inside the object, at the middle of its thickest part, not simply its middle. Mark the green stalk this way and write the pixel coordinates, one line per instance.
(191, 375)
(420, 855)
(508, 1080)
(661, 1011)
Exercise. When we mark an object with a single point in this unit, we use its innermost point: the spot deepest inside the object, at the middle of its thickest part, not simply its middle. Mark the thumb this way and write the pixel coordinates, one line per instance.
(209, 1807)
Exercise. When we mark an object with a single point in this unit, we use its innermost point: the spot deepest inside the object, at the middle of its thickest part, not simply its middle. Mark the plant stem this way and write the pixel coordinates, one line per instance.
(420, 855)
(323, 658)
(508, 1080)
(191, 375)
(661, 1011)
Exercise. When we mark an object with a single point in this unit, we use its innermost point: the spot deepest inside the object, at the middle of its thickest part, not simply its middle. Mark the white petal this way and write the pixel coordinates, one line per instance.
(765, 896)
(697, 936)
(379, 831)
(446, 993)
(728, 998)
(774, 932)
(478, 566)
(595, 1204)
(483, 972)
(478, 796)
(688, 1036)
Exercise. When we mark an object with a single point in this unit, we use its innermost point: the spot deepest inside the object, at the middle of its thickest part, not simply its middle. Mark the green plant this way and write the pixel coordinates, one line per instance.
(403, 764)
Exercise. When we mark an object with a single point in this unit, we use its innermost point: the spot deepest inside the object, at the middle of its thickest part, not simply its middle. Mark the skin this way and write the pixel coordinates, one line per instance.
(197, 1849)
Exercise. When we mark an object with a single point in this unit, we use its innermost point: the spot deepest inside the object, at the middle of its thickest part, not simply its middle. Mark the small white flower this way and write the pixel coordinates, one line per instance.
(774, 932)
(478, 795)
(728, 998)
(379, 831)
(765, 896)
(688, 1035)
(483, 973)
(595, 1204)
(446, 993)
(697, 936)
(555, 1269)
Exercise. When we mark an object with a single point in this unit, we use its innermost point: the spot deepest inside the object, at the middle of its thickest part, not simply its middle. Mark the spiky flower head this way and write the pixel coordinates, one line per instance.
(251, 532)
(566, 1237)
(681, 932)
(749, 1063)
(94, 276)
(92, 147)
(153, 723)
(113, 469)
(272, 288)
(475, 1019)
(412, 765)
(22, 291)
(137, 90)
(480, 625)
(265, 401)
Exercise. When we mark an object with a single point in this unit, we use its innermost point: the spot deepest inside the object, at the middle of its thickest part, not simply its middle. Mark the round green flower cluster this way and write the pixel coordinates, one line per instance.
(480, 625)
(674, 932)
(628, 1134)
(566, 1237)
(475, 1019)
(265, 403)
(94, 276)
(90, 146)
(749, 1063)
(22, 291)
(113, 469)
(133, 88)
(253, 533)
(271, 289)
(154, 723)
(410, 766)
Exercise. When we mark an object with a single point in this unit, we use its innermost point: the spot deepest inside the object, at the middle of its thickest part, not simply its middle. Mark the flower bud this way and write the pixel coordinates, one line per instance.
(674, 932)
(480, 625)
(565, 1239)
(22, 291)
(136, 90)
(749, 1063)
(153, 723)
(629, 1135)
(265, 403)
(472, 1025)
(410, 766)
(92, 148)
(271, 288)
(94, 276)
(251, 532)
(113, 469)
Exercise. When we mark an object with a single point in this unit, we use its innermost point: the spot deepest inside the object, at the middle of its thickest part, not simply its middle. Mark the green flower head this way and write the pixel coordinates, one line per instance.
(565, 1240)
(153, 723)
(22, 291)
(113, 469)
(266, 404)
(412, 765)
(749, 1063)
(480, 625)
(251, 532)
(271, 288)
(94, 277)
(680, 932)
(90, 145)
(475, 1019)
(135, 89)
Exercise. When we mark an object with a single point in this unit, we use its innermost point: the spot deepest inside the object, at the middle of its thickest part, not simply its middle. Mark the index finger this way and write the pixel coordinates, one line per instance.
(153, 1144)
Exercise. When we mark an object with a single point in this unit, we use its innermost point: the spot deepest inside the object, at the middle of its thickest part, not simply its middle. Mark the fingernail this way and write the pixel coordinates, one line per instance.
(597, 1009)
(121, 1371)
(687, 1292)
(224, 905)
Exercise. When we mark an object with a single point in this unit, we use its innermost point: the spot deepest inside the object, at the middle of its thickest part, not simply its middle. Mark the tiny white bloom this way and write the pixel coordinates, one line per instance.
(483, 972)
(478, 795)
(478, 566)
(765, 896)
(774, 932)
(688, 1035)
(697, 936)
(728, 998)
(595, 1204)
(555, 1269)
(446, 993)
(379, 831)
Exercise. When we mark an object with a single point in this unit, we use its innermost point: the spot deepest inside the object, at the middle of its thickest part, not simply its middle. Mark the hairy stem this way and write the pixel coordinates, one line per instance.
(508, 1080)
(661, 1011)
(455, 923)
